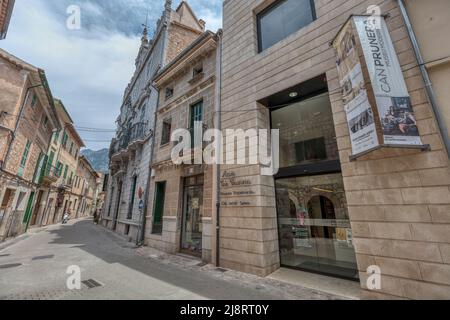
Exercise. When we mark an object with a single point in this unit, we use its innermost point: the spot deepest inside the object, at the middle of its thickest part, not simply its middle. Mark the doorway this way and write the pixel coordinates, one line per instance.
(36, 208)
(191, 231)
(116, 215)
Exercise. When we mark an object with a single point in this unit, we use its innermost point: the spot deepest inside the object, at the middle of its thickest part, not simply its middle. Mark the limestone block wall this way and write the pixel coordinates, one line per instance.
(398, 200)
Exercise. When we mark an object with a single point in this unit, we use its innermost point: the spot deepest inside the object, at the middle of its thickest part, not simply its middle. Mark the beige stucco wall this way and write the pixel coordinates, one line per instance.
(177, 109)
(430, 20)
(399, 200)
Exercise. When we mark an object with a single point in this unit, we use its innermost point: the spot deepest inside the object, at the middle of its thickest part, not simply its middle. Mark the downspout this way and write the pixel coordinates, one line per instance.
(219, 154)
(428, 84)
(141, 237)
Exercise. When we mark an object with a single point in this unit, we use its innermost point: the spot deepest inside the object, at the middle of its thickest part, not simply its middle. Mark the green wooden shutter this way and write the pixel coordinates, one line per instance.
(196, 115)
(40, 169)
(133, 198)
(59, 169)
(159, 207)
(27, 216)
(49, 165)
(23, 162)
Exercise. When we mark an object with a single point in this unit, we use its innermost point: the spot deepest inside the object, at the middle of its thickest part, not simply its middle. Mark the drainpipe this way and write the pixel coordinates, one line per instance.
(141, 236)
(218, 143)
(428, 85)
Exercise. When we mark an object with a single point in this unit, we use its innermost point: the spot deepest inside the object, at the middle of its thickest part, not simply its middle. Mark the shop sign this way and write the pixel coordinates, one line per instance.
(374, 92)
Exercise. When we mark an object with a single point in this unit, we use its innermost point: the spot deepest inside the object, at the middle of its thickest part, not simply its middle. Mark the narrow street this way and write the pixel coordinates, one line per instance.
(34, 268)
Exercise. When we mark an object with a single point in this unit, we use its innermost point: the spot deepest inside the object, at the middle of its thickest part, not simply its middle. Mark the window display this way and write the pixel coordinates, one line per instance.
(314, 226)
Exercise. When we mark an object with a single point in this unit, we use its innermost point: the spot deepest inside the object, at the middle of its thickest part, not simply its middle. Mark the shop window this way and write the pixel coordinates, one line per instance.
(307, 133)
(314, 226)
(282, 19)
(311, 150)
(315, 233)
(166, 131)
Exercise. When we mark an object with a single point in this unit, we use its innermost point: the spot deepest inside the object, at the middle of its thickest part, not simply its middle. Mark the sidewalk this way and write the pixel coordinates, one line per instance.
(285, 289)
(31, 231)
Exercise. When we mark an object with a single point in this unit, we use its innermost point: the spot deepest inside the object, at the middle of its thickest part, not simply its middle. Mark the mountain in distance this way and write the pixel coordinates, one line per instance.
(98, 159)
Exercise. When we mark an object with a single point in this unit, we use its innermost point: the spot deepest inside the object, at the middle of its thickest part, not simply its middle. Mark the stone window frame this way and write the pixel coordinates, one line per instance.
(266, 7)
(166, 131)
(169, 93)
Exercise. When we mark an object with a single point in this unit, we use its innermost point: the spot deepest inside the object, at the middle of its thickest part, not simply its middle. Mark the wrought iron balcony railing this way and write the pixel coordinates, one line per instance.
(138, 131)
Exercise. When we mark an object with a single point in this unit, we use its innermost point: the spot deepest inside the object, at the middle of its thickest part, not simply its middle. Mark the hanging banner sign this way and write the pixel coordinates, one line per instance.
(376, 99)
(391, 94)
(360, 115)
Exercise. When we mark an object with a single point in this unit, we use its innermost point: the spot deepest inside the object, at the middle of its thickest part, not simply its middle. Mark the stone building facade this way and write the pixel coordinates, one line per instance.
(27, 120)
(131, 150)
(85, 188)
(61, 171)
(322, 212)
(431, 28)
(181, 207)
(6, 9)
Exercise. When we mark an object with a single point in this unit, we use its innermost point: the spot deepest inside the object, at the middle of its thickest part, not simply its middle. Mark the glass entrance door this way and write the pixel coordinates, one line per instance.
(314, 226)
(191, 233)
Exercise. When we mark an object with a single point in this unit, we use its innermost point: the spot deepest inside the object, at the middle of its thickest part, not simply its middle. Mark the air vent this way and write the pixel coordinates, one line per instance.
(43, 257)
(91, 283)
(9, 266)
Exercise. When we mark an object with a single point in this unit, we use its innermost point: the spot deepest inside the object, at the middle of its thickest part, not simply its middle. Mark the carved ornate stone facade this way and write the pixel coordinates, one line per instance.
(180, 216)
(131, 150)
(27, 120)
(398, 200)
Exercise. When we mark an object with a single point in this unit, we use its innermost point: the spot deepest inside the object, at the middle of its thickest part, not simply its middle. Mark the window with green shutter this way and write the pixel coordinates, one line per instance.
(59, 167)
(65, 138)
(40, 169)
(56, 136)
(49, 165)
(196, 116)
(34, 100)
(23, 162)
(45, 121)
(65, 171)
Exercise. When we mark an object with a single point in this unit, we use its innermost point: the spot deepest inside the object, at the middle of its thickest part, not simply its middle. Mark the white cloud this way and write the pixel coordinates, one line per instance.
(89, 69)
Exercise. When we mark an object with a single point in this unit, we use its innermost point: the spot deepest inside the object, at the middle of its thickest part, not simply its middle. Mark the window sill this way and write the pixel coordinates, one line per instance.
(197, 78)
(165, 145)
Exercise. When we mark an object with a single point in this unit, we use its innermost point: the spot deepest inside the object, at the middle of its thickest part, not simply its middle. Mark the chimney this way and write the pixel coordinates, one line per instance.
(202, 23)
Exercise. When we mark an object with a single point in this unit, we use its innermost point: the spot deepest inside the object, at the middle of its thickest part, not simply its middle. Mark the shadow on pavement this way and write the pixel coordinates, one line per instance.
(109, 248)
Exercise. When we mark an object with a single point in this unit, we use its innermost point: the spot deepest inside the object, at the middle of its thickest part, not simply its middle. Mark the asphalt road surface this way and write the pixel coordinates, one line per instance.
(35, 268)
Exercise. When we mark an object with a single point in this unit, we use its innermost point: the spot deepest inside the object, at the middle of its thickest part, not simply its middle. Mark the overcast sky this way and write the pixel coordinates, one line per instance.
(88, 69)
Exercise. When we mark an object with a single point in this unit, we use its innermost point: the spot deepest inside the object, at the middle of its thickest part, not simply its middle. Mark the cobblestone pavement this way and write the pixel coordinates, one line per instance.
(35, 269)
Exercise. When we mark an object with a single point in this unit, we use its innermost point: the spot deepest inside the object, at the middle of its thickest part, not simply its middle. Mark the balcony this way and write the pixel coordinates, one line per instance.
(49, 175)
(129, 140)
